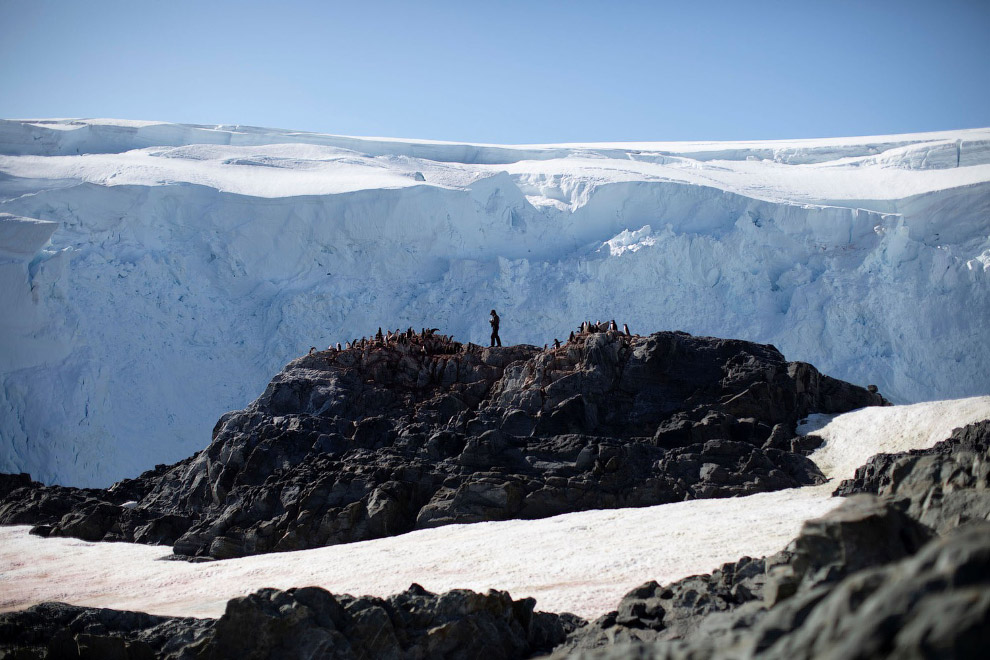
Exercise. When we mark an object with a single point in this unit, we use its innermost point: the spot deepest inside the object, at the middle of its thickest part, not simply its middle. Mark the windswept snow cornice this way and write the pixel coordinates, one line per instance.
(276, 163)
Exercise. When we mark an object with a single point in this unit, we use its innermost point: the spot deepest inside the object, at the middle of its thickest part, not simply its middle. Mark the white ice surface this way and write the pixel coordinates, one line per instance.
(581, 562)
(190, 263)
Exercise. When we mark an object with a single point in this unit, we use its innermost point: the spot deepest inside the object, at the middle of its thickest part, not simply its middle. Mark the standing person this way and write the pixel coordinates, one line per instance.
(494, 323)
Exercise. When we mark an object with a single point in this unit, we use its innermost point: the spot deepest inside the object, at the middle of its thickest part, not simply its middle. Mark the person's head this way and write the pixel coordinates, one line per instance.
(493, 313)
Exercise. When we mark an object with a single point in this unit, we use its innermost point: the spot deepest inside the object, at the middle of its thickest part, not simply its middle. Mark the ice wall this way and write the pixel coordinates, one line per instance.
(186, 264)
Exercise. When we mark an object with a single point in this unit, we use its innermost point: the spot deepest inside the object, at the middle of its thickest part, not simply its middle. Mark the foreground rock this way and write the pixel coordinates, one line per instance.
(371, 442)
(868, 580)
(864, 533)
(943, 487)
(811, 601)
(297, 623)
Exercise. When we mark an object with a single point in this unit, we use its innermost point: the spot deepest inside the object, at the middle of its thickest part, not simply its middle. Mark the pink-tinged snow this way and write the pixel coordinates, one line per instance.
(582, 562)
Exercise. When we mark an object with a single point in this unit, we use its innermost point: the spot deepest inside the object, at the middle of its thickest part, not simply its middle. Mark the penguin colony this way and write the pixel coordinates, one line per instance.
(428, 342)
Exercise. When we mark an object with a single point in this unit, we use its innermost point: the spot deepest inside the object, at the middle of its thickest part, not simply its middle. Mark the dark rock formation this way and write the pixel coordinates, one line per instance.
(297, 623)
(863, 533)
(943, 487)
(868, 580)
(375, 441)
(89, 514)
(935, 604)
(60, 631)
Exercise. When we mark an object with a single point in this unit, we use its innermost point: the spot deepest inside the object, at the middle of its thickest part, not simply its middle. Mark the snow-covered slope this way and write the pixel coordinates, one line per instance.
(579, 562)
(189, 263)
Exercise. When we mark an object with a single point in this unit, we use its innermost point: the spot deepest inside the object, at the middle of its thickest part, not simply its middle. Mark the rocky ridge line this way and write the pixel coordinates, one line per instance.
(389, 437)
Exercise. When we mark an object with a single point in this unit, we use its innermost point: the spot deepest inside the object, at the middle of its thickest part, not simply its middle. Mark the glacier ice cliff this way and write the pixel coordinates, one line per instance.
(154, 276)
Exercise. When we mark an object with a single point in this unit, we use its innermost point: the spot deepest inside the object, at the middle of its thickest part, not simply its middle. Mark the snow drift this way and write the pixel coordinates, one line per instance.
(156, 275)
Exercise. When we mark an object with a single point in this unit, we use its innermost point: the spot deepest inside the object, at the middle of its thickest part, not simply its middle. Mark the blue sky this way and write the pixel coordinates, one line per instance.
(506, 72)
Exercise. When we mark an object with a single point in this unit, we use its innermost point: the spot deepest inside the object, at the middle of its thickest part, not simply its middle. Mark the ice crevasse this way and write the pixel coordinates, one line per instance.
(154, 276)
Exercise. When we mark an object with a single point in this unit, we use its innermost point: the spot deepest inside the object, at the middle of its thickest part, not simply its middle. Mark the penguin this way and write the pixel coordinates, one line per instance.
(338, 346)
(556, 343)
(312, 349)
(612, 327)
(347, 344)
(625, 330)
(570, 337)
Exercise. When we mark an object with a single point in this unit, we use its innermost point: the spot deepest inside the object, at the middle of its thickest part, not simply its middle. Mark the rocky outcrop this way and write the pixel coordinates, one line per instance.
(871, 579)
(394, 436)
(57, 630)
(943, 487)
(89, 514)
(298, 623)
(864, 533)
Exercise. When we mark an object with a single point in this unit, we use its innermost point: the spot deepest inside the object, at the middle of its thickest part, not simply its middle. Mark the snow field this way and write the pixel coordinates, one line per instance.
(581, 562)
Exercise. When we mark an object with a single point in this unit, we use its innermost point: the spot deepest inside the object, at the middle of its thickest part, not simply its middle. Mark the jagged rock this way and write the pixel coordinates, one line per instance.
(298, 623)
(861, 585)
(943, 487)
(653, 612)
(935, 604)
(57, 630)
(867, 580)
(375, 441)
(864, 532)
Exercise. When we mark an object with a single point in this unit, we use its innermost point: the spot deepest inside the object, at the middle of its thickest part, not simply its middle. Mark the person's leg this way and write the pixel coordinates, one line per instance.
(494, 337)
(498, 339)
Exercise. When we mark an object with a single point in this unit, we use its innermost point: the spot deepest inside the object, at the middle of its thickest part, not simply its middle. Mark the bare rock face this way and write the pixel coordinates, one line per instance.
(867, 580)
(865, 532)
(392, 436)
(57, 630)
(943, 487)
(298, 623)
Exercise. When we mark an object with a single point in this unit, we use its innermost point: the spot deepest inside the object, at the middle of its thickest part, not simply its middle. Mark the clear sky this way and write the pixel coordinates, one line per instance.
(506, 72)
